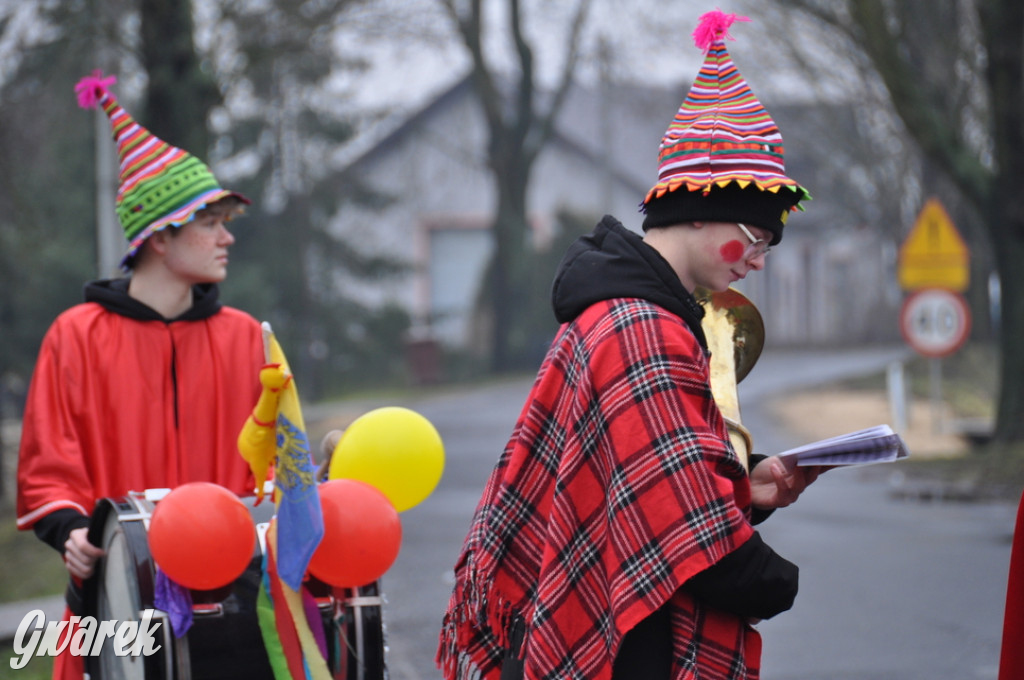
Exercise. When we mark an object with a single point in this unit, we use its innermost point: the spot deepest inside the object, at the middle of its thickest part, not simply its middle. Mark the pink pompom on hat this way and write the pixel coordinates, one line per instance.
(721, 158)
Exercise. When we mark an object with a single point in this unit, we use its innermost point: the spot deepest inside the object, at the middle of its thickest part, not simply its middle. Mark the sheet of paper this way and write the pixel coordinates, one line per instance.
(879, 444)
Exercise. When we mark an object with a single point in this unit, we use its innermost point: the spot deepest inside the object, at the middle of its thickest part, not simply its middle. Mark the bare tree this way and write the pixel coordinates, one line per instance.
(519, 122)
(954, 72)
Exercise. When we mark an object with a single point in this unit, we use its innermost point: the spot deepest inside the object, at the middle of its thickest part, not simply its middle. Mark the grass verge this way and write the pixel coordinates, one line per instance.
(30, 568)
(38, 668)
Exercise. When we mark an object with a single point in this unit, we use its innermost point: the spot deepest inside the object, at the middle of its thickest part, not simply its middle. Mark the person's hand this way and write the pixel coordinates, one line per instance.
(79, 554)
(776, 482)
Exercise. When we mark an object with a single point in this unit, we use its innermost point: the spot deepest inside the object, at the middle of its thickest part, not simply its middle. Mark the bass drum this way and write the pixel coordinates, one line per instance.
(224, 641)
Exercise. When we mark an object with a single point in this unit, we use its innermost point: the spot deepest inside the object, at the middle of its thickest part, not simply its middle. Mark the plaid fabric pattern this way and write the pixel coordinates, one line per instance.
(618, 484)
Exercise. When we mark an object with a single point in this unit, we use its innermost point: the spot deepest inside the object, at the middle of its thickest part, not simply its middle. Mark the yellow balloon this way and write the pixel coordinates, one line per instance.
(394, 449)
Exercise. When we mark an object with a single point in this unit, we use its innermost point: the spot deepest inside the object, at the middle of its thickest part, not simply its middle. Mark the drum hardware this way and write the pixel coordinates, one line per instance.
(167, 639)
(357, 612)
(356, 602)
(261, 536)
(207, 609)
(137, 517)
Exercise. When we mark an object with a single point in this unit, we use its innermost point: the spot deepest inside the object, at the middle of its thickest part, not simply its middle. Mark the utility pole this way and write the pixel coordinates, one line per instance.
(109, 238)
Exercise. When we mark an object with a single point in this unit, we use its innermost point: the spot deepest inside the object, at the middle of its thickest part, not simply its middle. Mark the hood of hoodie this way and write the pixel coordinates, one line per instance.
(112, 295)
(614, 262)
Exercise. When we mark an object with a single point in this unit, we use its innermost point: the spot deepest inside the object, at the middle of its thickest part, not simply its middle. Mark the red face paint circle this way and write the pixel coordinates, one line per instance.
(732, 251)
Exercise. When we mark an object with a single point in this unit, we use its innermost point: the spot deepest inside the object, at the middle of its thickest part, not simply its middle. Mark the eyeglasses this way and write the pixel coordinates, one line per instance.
(757, 246)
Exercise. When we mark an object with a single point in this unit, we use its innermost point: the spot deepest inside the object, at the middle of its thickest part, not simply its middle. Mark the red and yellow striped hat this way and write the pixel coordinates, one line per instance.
(721, 158)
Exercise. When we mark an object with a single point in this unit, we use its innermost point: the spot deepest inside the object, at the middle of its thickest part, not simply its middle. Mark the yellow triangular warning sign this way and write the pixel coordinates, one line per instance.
(933, 254)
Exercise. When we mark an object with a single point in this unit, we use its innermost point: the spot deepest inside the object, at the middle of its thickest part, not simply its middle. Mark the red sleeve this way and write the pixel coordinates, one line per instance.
(51, 467)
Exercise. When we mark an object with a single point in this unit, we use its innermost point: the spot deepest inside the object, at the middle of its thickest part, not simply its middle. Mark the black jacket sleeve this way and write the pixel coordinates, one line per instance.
(54, 528)
(752, 581)
(758, 515)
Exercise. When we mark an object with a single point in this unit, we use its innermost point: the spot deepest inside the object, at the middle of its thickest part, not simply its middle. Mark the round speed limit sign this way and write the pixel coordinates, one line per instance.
(935, 321)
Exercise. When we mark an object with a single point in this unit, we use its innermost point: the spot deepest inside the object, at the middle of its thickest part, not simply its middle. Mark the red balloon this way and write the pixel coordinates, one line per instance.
(362, 534)
(202, 536)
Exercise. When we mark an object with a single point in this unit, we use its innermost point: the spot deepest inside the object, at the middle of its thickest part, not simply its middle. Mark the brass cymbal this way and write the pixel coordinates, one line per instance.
(730, 312)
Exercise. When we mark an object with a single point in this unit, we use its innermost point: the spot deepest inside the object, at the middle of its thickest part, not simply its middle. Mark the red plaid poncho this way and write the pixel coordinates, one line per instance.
(618, 485)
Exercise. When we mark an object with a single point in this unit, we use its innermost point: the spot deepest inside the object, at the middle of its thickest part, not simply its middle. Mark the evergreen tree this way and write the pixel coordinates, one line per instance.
(274, 74)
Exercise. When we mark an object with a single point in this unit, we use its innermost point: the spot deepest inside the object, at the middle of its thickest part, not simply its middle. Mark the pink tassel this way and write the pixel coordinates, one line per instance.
(712, 25)
(91, 89)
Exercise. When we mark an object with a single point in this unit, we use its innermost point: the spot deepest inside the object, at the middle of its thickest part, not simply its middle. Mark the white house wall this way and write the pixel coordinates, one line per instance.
(433, 169)
(438, 177)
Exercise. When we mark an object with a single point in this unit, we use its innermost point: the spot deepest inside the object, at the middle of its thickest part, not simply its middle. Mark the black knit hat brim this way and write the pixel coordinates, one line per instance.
(748, 205)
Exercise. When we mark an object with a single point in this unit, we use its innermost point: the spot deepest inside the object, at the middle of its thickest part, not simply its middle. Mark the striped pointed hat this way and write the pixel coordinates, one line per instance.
(721, 158)
(160, 185)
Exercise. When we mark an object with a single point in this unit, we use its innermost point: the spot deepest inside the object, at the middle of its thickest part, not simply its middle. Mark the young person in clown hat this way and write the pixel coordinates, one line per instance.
(615, 537)
(147, 382)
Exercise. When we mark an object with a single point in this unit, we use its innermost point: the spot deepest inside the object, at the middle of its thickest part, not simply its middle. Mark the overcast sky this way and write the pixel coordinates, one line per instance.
(415, 53)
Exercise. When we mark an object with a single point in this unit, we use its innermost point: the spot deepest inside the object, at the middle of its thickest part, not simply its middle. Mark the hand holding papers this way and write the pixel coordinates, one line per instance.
(877, 444)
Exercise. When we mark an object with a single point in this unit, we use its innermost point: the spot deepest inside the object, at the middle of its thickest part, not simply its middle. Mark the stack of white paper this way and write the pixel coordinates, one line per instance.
(877, 444)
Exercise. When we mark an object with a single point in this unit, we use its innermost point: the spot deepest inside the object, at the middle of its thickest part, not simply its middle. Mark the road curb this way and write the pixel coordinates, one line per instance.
(13, 613)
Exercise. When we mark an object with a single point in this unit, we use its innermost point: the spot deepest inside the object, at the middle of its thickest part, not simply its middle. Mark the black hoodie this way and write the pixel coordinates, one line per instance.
(614, 262)
(112, 295)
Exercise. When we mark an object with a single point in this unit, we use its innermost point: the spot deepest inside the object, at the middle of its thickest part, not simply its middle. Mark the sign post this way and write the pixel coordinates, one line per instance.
(933, 267)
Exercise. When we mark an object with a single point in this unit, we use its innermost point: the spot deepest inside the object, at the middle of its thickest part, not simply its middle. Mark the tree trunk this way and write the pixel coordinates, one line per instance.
(179, 96)
(508, 287)
(517, 133)
(1003, 23)
(1009, 420)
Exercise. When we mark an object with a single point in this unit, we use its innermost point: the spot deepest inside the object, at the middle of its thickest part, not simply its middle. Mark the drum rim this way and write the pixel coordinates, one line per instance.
(129, 514)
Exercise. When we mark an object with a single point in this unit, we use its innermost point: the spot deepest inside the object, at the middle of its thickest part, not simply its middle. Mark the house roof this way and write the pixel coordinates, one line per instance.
(631, 147)
(621, 125)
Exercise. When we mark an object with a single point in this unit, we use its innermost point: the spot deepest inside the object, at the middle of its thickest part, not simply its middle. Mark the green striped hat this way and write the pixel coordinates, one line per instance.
(160, 185)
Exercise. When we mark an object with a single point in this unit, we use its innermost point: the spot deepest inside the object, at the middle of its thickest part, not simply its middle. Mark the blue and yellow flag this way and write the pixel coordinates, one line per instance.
(300, 523)
(297, 527)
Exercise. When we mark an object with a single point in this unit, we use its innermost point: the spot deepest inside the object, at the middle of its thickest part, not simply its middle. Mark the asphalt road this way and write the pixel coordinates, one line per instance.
(890, 589)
